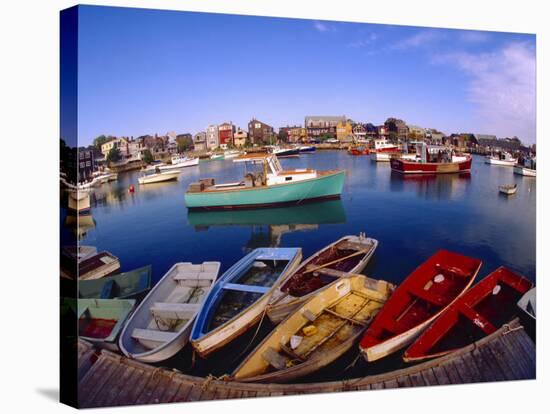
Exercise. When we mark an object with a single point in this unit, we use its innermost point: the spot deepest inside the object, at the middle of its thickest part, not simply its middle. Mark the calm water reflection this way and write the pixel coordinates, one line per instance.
(412, 217)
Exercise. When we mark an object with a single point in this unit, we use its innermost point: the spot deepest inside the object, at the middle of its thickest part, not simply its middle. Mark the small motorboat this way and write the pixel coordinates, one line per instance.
(508, 189)
(158, 176)
(306, 148)
(501, 158)
(216, 156)
(319, 332)
(284, 152)
(526, 167)
(350, 254)
(160, 326)
(424, 295)
(237, 302)
(231, 154)
(358, 151)
(100, 320)
(479, 312)
(182, 161)
(128, 285)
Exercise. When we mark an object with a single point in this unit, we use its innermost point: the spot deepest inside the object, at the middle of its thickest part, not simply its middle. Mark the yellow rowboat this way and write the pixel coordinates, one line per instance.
(320, 331)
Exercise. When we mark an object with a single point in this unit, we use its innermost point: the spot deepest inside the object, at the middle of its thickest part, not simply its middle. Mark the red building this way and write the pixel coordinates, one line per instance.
(226, 132)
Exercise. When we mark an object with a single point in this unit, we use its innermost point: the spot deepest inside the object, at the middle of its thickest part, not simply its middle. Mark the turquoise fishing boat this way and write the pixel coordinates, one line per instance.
(266, 188)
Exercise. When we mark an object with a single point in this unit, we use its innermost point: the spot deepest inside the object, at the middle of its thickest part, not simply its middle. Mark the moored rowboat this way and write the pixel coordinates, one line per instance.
(98, 266)
(129, 285)
(238, 300)
(161, 324)
(333, 319)
(482, 310)
(417, 302)
(350, 254)
(101, 320)
(508, 189)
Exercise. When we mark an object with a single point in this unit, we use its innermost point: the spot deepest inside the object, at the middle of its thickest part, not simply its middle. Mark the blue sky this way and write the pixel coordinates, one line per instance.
(148, 71)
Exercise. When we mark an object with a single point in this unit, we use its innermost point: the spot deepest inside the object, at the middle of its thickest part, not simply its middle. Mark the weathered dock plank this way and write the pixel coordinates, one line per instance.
(508, 354)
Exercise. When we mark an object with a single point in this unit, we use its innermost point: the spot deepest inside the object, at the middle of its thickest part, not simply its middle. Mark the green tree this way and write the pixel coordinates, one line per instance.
(184, 143)
(147, 157)
(114, 155)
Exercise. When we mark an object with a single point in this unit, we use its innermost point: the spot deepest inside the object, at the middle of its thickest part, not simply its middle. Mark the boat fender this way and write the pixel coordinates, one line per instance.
(295, 341)
(259, 265)
(439, 278)
(496, 289)
(309, 330)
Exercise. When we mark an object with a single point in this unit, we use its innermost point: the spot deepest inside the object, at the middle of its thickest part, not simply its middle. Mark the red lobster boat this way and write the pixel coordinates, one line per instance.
(479, 312)
(424, 295)
(433, 160)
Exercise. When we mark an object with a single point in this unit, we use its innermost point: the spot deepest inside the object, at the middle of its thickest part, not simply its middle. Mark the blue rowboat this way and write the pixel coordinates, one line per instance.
(272, 186)
(239, 298)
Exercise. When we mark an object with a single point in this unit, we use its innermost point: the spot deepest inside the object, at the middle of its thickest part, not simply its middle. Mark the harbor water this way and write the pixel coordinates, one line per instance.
(411, 216)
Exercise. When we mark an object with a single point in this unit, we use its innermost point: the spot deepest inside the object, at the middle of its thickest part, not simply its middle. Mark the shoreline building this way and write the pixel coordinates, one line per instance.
(260, 133)
(240, 137)
(199, 141)
(225, 134)
(344, 131)
(212, 139)
(322, 126)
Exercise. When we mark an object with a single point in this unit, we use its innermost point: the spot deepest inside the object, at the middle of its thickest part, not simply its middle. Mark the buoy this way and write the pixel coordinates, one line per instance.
(131, 189)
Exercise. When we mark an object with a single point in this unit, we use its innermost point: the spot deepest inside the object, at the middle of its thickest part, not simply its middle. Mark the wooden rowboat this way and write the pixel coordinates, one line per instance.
(128, 285)
(337, 316)
(482, 310)
(418, 301)
(508, 189)
(100, 320)
(98, 266)
(161, 324)
(350, 254)
(239, 299)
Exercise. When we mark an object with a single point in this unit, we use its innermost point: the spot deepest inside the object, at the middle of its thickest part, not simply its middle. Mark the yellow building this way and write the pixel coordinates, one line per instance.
(239, 138)
(344, 131)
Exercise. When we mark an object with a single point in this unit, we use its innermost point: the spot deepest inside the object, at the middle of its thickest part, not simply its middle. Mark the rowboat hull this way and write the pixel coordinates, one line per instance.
(98, 266)
(149, 335)
(479, 312)
(101, 320)
(129, 285)
(323, 187)
(205, 340)
(283, 303)
(411, 167)
(426, 293)
(507, 189)
(339, 313)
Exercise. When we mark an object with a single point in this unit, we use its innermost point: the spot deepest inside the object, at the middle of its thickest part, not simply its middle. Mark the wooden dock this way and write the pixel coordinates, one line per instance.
(108, 379)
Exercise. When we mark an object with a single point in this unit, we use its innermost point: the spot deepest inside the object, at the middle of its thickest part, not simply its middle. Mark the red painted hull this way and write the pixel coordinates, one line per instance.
(477, 313)
(420, 298)
(358, 152)
(411, 167)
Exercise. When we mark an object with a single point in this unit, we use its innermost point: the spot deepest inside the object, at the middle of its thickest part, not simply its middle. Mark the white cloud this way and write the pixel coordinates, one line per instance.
(472, 36)
(420, 39)
(502, 87)
(364, 42)
(321, 27)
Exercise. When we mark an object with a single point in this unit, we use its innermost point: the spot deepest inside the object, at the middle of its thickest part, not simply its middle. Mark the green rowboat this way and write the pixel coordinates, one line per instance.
(129, 285)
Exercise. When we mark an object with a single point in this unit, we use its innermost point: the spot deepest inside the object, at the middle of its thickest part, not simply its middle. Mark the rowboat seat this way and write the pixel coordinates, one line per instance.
(153, 335)
(454, 271)
(276, 360)
(430, 297)
(175, 310)
(477, 319)
(200, 279)
(246, 288)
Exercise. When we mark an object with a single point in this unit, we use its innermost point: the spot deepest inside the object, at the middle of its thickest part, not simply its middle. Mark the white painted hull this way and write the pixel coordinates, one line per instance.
(229, 155)
(495, 161)
(159, 178)
(386, 156)
(282, 305)
(527, 172)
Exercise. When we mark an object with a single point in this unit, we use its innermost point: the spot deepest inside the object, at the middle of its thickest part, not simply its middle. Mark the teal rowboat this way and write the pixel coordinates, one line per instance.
(129, 285)
(272, 187)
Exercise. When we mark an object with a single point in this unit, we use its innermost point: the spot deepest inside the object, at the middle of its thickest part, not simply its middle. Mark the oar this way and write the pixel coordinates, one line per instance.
(336, 261)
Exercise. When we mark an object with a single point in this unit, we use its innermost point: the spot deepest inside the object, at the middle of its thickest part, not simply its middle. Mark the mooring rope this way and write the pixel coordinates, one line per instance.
(254, 337)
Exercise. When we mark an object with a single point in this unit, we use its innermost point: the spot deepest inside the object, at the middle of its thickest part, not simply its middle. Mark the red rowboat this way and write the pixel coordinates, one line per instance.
(424, 295)
(479, 312)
